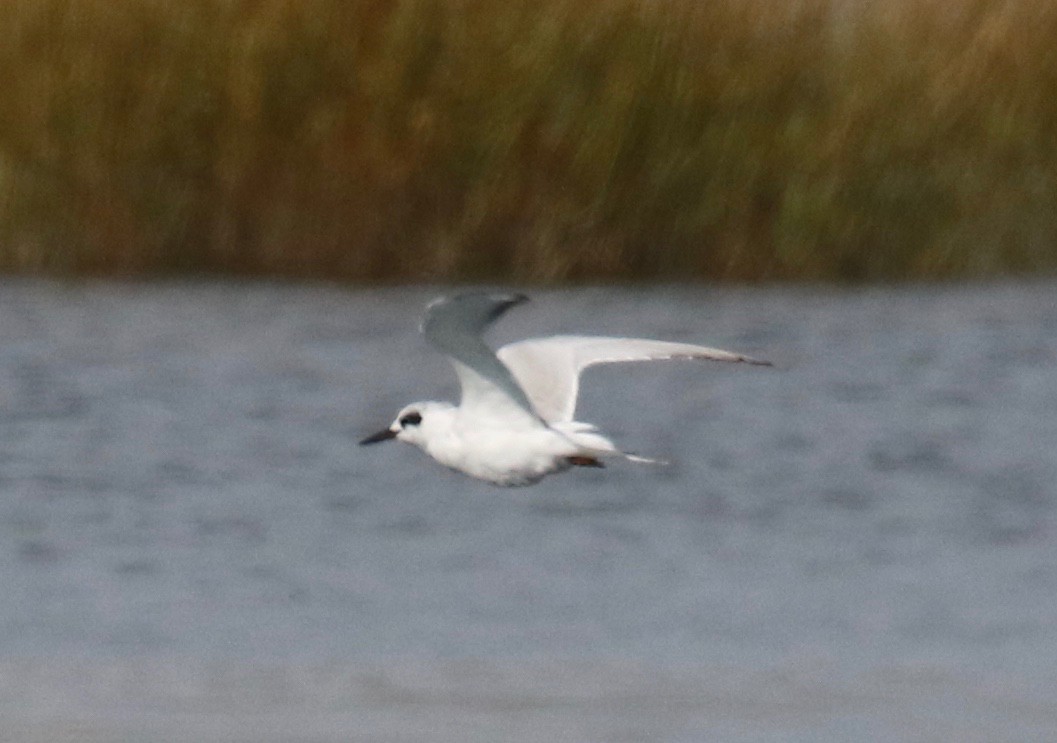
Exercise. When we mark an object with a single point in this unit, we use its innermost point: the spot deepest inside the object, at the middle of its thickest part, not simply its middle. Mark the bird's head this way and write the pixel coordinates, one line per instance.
(413, 424)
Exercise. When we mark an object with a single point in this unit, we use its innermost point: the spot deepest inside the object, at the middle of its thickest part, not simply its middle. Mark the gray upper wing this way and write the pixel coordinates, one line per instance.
(455, 326)
(548, 369)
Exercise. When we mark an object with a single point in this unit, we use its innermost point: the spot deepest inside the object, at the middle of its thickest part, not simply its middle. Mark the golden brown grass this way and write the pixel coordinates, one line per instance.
(545, 140)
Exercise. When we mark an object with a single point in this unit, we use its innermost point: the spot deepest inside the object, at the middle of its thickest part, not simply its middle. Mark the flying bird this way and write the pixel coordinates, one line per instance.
(514, 423)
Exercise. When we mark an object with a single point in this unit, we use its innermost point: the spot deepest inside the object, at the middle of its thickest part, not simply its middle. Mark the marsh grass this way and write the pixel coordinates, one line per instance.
(554, 140)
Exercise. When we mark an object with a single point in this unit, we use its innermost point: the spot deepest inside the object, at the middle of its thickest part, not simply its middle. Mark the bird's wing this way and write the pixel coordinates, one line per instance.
(455, 325)
(548, 369)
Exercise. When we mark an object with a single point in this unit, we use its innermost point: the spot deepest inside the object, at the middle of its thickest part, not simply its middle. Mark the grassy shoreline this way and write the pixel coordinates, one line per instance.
(563, 140)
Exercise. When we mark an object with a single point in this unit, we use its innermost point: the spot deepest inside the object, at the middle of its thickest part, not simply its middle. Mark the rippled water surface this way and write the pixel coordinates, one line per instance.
(860, 544)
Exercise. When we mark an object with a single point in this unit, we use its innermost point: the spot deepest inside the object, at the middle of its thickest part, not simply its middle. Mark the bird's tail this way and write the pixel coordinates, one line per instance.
(645, 460)
(594, 444)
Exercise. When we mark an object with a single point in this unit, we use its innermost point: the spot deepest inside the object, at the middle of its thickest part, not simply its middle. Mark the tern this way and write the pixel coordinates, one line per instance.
(514, 423)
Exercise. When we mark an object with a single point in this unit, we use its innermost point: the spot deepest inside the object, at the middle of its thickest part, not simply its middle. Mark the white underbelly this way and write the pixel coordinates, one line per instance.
(506, 457)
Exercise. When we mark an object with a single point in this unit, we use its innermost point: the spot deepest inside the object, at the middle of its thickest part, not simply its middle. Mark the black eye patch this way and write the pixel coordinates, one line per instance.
(411, 419)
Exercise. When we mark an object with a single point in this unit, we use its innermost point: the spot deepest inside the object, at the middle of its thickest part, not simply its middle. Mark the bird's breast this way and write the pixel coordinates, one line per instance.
(504, 457)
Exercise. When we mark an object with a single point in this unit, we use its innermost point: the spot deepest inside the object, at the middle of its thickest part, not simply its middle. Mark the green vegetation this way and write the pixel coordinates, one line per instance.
(552, 140)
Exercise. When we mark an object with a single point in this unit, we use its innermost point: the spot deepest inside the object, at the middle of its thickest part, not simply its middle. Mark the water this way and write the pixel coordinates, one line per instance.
(860, 544)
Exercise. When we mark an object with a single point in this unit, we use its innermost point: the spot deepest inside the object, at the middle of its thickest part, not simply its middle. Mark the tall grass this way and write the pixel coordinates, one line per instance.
(529, 140)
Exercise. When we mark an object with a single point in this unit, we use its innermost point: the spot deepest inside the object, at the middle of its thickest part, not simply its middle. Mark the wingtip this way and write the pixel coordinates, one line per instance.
(513, 298)
(485, 306)
(504, 302)
(508, 299)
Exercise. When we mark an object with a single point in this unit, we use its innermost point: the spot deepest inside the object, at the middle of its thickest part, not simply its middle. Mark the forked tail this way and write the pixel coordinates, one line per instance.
(645, 460)
(594, 445)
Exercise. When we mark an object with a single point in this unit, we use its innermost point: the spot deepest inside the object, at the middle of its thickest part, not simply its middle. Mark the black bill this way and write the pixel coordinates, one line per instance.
(384, 435)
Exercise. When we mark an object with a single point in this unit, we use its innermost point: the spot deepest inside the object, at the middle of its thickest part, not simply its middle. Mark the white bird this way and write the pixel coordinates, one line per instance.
(514, 424)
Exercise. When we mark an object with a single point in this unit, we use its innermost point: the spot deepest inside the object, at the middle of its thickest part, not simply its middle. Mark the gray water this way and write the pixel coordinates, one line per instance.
(860, 544)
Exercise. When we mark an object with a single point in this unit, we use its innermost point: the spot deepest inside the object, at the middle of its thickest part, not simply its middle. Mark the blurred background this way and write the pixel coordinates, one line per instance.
(220, 221)
(562, 140)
